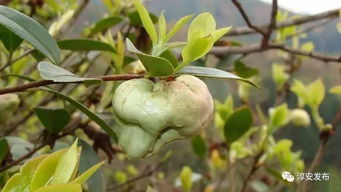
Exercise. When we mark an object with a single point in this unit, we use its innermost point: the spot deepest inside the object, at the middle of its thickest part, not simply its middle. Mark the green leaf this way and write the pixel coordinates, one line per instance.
(212, 73)
(87, 174)
(244, 71)
(85, 45)
(178, 25)
(203, 25)
(162, 27)
(186, 178)
(52, 72)
(54, 120)
(88, 158)
(87, 112)
(66, 165)
(10, 40)
(199, 146)
(21, 181)
(168, 55)
(4, 148)
(104, 24)
(316, 92)
(238, 123)
(336, 90)
(67, 187)
(45, 171)
(155, 66)
(217, 34)
(196, 49)
(301, 91)
(135, 18)
(279, 116)
(279, 75)
(31, 31)
(146, 21)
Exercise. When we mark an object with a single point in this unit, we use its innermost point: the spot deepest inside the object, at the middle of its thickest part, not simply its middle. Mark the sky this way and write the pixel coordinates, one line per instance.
(308, 6)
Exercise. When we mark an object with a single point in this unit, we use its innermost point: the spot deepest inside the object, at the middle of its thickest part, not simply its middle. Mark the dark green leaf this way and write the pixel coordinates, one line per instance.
(31, 31)
(84, 45)
(52, 72)
(3, 149)
(86, 111)
(212, 73)
(54, 120)
(88, 158)
(199, 146)
(155, 66)
(244, 71)
(10, 40)
(238, 123)
(104, 24)
(135, 19)
(170, 57)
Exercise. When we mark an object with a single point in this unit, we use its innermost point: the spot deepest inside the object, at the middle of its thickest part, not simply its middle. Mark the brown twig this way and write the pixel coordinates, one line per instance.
(298, 21)
(253, 48)
(272, 25)
(36, 84)
(254, 168)
(246, 18)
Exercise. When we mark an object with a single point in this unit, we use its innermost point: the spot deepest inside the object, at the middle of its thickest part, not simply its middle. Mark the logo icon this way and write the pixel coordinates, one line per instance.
(286, 175)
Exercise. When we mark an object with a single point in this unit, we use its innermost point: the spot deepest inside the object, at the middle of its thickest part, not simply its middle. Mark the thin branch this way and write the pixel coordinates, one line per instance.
(36, 84)
(253, 48)
(272, 25)
(298, 21)
(246, 18)
(11, 61)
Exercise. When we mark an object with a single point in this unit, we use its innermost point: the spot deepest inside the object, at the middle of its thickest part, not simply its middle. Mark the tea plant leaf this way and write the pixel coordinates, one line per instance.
(31, 31)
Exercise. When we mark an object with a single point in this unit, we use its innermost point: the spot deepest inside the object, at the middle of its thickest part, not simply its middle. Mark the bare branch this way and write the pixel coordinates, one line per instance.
(298, 21)
(253, 48)
(36, 84)
(272, 25)
(246, 18)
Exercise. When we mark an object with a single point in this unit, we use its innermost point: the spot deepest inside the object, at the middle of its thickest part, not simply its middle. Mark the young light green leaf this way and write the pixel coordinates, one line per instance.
(196, 49)
(186, 178)
(212, 73)
(146, 21)
(199, 146)
(301, 91)
(155, 66)
(54, 120)
(279, 75)
(31, 31)
(178, 25)
(10, 40)
(238, 123)
(279, 116)
(66, 187)
(85, 45)
(44, 172)
(21, 181)
(87, 112)
(162, 27)
(336, 90)
(217, 34)
(104, 24)
(87, 174)
(203, 25)
(316, 92)
(66, 165)
(52, 72)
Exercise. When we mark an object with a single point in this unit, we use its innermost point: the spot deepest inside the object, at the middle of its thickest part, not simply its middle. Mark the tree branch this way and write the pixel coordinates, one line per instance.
(298, 21)
(36, 84)
(272, 25)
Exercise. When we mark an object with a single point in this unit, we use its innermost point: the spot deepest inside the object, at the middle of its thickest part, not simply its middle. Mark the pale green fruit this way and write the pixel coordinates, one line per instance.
(150, 114)
(8, 105)
(299, 117)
